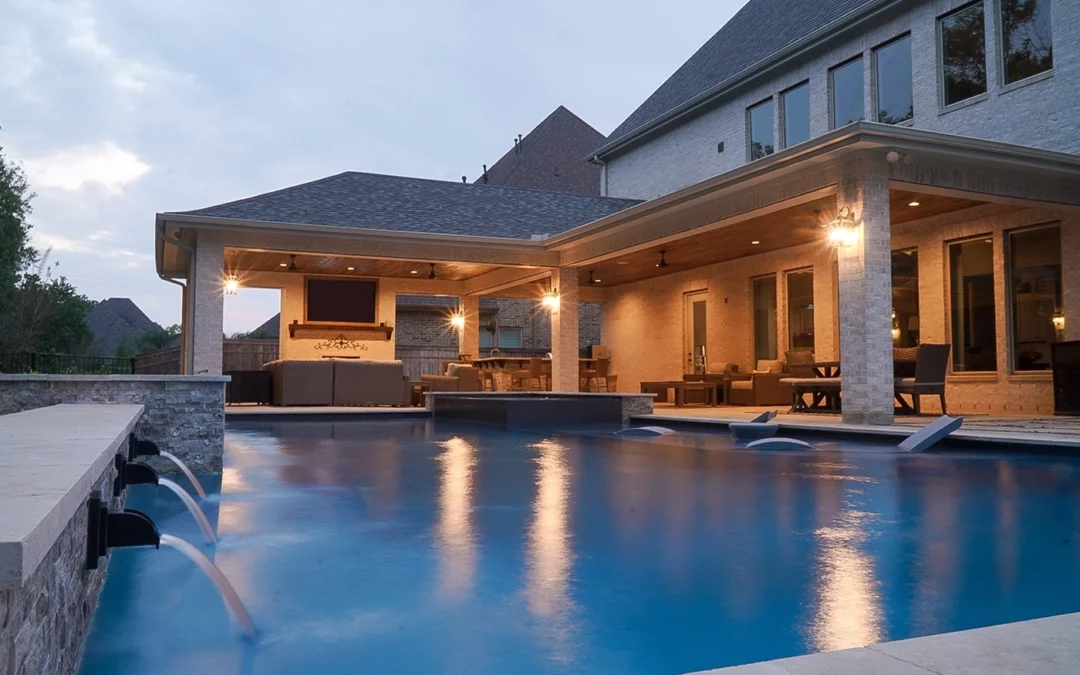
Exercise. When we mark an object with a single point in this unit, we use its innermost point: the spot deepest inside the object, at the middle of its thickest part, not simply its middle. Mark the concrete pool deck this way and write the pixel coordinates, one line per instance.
(1049, 646)
(1046, 432)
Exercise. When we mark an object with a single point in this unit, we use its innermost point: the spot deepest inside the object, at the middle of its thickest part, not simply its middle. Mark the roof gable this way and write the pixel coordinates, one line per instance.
(759, 31)
(551, 157)
(372, 201)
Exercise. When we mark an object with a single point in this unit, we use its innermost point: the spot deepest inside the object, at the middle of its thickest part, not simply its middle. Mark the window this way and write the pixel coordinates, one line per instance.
(796, 115)
(847, 93)
(509, 338)
(905, 298)
(800, 298)
(761, 130)
(1027, 47)
(974, 329)
(1035, 279)
(485, 338)
(963, 54)
(892, 64)
(765, 318)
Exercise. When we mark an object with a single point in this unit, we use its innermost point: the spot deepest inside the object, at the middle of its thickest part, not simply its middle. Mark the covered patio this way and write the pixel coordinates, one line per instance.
(798, 251)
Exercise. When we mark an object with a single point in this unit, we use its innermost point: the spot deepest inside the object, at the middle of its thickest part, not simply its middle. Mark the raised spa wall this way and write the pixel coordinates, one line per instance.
(184, 414)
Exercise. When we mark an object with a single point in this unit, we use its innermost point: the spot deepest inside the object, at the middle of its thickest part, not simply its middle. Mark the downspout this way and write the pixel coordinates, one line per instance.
(188, 312)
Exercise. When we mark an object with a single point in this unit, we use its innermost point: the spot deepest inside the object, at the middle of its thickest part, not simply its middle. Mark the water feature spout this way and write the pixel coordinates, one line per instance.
(116, 529)
(187, 472)
(131, 473)
(228, 593)
(189, 502)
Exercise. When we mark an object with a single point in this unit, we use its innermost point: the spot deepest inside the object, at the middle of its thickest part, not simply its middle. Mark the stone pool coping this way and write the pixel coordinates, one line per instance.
(9, 377)
(898, 432)
(51, 459)
(1040, 646)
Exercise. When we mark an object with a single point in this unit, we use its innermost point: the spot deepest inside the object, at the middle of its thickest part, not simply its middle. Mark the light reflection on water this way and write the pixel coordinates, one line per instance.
(454, 533)
(849, 605)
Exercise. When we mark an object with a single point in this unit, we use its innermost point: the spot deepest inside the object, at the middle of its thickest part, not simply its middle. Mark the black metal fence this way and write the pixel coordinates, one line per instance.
(65, 364)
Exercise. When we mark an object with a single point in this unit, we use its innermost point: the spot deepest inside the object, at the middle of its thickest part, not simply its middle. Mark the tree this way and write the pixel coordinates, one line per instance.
(39, 311)
(148, 341)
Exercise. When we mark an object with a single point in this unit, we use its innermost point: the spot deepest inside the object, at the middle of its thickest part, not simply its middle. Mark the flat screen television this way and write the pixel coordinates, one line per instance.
(340, 300)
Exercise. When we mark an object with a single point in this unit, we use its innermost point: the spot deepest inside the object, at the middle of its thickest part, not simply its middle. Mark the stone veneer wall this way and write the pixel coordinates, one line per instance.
(43, 622)
(185, 415)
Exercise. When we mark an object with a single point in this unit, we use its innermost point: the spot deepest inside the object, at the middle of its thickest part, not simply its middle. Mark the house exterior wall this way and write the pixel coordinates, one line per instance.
(687, 153)
(643, 321)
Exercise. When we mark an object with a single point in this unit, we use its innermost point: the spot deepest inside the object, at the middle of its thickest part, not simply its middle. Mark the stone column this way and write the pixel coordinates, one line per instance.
(469, 337)
(564, 331)
(208, 296)
(866, 358)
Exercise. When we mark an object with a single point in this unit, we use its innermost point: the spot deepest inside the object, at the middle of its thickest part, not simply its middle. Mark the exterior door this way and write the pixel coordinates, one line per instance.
(694, 361)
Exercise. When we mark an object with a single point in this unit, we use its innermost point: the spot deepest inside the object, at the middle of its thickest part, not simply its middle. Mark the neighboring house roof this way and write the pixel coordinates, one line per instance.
(399, 203)
(115, 320)
(551, 157)
(271, 328)
(760, 31)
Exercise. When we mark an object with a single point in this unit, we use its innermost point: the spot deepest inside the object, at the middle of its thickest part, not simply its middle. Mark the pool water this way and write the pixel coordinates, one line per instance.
(409, 546)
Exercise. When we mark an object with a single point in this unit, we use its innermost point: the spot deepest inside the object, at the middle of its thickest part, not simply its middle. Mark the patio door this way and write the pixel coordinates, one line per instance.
(694, 333)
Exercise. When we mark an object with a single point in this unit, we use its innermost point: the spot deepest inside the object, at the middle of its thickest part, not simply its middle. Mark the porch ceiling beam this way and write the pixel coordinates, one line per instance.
(501, 279)
(278, 280)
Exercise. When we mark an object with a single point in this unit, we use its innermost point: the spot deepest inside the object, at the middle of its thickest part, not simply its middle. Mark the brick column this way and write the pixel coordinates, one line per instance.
(208, 296)
(866, 358)
(564, 331)
(469, 337)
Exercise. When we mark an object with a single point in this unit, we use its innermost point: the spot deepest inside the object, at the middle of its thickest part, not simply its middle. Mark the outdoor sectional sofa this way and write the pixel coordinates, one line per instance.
(339, 382)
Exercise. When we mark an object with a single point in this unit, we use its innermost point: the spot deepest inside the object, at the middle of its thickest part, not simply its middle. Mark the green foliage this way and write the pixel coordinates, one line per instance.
(257, 334)
(40, 311)
(147, 341)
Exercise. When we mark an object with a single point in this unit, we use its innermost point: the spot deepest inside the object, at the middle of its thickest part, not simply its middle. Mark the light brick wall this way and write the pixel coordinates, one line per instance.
(1039, 113)
(643, 321)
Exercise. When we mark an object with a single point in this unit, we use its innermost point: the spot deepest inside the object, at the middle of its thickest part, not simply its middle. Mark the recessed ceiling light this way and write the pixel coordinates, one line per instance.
(623, 262)
(989, 241)
(913, 204)
(351, 268)
(283, 264)
(413, 272)
(755, 242)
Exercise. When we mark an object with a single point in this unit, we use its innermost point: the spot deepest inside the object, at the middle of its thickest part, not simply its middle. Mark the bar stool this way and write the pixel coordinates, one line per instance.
(590, 378)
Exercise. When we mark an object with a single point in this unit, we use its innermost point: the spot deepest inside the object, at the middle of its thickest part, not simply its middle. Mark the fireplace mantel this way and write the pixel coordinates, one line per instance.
(350, 331)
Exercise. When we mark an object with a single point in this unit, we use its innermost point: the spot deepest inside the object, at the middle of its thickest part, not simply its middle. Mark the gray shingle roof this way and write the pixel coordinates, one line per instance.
(398, 203)
(115, 320)
(551, 157)
(759, 31)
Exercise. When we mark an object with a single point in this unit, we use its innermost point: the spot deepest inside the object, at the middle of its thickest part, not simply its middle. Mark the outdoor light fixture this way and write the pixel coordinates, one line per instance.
(842, 229)
(350, 268)
(457, 320)
(550, 300)
(663, 260)
(592, 278)
(414, 272)
(232, 285)
(914, 203)
(1059, 320)
(755, 242)
(283, 264)
(431, 274)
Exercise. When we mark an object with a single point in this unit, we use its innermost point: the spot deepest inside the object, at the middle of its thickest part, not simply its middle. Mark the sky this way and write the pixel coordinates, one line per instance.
(120, 109)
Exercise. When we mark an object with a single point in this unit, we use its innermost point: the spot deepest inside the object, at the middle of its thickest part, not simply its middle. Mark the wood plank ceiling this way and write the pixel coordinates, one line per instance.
(239, 260)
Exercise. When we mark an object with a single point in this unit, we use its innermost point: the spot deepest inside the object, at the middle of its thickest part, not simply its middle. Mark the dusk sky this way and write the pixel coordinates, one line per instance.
(120, 109)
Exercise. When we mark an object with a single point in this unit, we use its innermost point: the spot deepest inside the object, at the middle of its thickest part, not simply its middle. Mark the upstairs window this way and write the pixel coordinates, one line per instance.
(1027, 46)
(963, 54)
(892, 65)
(796, 114)
(509, 338)
(846, 82)
(761, 130)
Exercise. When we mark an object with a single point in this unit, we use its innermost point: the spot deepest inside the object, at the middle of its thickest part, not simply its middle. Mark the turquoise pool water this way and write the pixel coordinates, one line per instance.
(412, 547)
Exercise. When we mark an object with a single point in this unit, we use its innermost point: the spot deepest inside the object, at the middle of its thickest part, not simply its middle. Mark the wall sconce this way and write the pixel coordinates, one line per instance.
(457, 321)
(842, 229)
(1059, 320)
(550, 300)
(232, 285)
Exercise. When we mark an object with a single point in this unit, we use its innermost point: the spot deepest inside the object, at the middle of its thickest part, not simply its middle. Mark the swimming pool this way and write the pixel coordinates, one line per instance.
(409, 546)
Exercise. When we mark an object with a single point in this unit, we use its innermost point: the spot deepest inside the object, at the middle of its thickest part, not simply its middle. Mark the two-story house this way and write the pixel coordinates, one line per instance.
(826, 178)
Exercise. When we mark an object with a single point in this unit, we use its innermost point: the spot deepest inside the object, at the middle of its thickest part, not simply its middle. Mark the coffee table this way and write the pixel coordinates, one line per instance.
(680, 387)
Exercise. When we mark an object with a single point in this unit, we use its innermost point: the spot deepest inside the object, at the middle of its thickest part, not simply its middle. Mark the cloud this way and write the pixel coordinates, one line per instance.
(19, 56)
(105, 164)
(99, 244)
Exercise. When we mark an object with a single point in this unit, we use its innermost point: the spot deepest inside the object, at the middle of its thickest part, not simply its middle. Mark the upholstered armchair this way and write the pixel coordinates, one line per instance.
(761, 387)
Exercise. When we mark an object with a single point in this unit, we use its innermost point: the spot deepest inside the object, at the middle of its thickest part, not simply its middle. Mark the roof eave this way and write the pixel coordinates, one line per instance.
(848, 22)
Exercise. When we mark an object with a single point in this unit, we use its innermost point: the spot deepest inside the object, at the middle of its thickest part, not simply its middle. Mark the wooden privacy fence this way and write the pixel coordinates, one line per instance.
(423, 361)
(236, 355)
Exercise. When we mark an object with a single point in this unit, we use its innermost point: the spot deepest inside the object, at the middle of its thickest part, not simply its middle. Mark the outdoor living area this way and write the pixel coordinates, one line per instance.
(871, 271)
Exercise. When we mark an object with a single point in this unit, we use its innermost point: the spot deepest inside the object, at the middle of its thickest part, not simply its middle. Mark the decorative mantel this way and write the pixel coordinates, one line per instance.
(344, 331)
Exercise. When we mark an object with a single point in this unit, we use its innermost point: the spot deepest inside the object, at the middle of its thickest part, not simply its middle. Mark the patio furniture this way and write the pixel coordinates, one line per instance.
(1065, 362)
(680, 389)
(931, 364)
(761, 387)
(530, 378)
(720, 373)
(824, 393)
(455, 377)
(904, 361)
(302, 382)
(418, 391)
(595, 378)
(359, 382)
(800, 365)
(250, 386)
